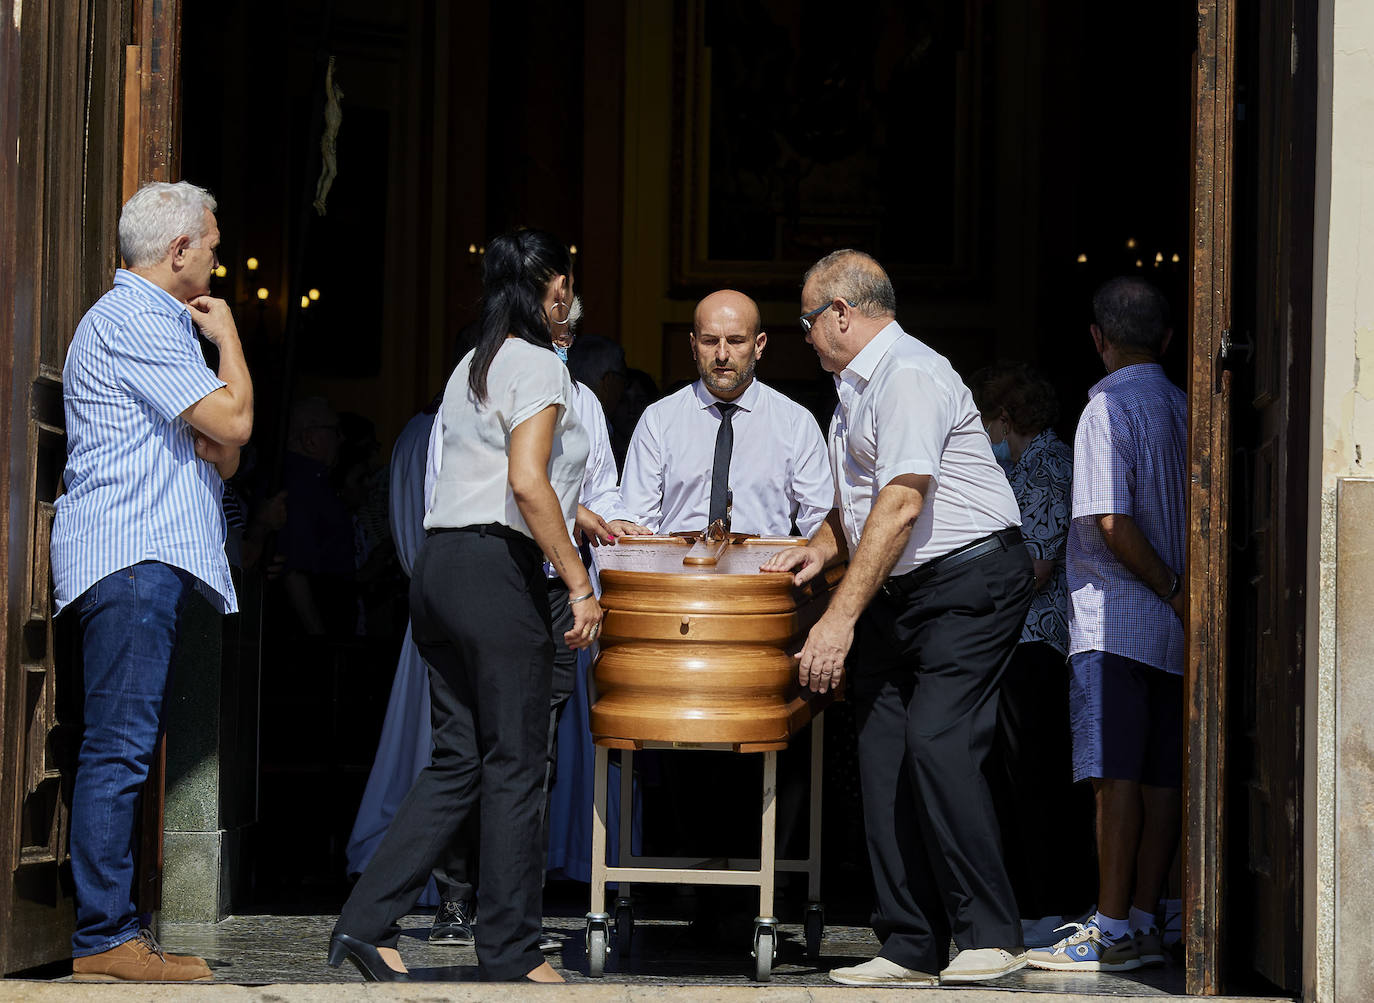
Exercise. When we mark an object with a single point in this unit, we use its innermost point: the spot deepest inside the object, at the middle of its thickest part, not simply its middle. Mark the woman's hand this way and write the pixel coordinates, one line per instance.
(586, 623)
(591, 528)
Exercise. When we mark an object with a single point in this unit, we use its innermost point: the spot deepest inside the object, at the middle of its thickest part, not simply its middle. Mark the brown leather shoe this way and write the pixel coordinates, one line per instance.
(140, 960)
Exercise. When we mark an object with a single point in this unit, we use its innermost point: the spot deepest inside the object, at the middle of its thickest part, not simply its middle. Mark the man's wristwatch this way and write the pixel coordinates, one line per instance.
(1174, 586)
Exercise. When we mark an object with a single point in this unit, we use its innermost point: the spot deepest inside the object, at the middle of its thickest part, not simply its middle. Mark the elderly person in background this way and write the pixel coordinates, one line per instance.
(1042, 813)
(138, 533)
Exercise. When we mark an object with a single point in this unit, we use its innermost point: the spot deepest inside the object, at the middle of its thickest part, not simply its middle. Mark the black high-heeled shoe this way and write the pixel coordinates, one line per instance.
(365, 958)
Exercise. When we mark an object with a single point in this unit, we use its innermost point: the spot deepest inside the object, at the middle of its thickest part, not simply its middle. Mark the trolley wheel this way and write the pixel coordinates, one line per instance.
(624, 926)
(596, 948)
(765, 947)
(815, 927)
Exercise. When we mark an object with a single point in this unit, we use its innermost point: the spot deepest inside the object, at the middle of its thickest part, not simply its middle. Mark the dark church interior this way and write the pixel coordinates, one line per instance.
(1001, 159)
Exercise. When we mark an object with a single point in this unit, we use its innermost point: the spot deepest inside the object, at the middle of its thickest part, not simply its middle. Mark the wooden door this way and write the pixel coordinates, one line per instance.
(1274, 192)
(59, 201)
(1254, 184)
(1209, 395)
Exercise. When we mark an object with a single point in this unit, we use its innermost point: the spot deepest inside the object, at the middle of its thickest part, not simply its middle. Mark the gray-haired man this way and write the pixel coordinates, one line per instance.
(932, 605)
(151, 432)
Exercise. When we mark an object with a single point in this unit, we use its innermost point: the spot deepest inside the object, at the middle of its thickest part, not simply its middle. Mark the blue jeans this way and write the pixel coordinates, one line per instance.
(128, 623)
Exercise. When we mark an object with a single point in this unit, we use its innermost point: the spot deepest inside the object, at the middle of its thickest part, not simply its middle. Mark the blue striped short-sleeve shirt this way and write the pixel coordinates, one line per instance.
(134, 488)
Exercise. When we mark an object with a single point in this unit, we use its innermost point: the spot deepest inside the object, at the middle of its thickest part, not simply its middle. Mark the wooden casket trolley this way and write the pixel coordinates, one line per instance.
(696, 653)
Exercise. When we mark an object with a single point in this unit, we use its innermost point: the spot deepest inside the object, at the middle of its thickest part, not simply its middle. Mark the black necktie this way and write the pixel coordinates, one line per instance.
(720, 470)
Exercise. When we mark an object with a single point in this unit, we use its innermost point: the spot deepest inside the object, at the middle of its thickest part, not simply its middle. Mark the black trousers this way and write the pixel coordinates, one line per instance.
(456, 875)
(480, 617)
(1045, 816)
(925, 672)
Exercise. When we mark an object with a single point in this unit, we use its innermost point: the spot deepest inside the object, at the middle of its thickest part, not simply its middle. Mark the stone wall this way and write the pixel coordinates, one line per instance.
(1339, 885)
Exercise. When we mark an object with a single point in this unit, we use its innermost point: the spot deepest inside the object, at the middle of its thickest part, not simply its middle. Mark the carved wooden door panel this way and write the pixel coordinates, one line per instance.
(60, 81)
(1275, 169)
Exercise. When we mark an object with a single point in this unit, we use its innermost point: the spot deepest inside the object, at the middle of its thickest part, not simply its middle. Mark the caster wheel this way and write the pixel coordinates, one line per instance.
(596, 949)
(815, 927)
(765, 946)
(624, 926)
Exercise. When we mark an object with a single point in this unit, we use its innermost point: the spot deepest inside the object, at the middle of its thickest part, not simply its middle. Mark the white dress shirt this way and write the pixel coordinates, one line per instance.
(778, 468)
(904, 410)
(599, 491)
(472, 465)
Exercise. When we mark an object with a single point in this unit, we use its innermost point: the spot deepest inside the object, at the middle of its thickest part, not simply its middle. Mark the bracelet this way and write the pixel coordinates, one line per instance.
(1173, 587)
(580, 598)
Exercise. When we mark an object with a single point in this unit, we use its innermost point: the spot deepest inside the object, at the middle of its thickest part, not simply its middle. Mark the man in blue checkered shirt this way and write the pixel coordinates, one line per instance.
(1125, 555)
(152, 432)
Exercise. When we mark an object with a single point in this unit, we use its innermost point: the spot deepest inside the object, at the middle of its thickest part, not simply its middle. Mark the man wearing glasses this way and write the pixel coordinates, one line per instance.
(932, 604)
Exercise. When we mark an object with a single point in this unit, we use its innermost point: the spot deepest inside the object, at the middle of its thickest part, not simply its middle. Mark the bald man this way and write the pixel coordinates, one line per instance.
(727, 442)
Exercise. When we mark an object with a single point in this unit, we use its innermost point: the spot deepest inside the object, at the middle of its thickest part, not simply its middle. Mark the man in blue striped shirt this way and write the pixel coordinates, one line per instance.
(151, 433)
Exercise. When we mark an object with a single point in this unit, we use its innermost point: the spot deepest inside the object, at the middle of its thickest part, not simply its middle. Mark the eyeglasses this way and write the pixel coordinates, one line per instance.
(807, 318)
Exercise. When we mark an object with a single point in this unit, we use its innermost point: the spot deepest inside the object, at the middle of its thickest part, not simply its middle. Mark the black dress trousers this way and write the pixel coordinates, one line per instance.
(924, 677)
(480, 617)
(456, 875)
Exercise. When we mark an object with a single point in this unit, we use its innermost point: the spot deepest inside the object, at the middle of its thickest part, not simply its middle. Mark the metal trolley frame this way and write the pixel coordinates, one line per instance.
(759, 873)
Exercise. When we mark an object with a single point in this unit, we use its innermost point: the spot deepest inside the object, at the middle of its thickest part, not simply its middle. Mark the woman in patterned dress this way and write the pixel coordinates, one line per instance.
(1041, 812)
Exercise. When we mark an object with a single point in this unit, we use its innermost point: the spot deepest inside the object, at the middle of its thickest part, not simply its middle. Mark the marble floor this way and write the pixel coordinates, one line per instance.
(266, 949)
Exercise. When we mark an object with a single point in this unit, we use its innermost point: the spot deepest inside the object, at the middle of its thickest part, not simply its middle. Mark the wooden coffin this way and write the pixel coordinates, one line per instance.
(697, 644)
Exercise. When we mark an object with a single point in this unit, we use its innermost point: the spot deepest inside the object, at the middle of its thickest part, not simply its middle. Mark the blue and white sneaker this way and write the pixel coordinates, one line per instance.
(1087, 949)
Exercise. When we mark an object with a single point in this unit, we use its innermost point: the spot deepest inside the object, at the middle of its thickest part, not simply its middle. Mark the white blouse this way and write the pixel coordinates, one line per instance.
(472, 463)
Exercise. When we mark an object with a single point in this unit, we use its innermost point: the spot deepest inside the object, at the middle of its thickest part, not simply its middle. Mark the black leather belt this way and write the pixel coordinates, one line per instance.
(484, 529)
(901, 586)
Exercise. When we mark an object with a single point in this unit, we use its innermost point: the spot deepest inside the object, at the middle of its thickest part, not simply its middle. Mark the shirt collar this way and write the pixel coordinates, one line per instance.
(861, 367)
(149, 290)
(1125, 374)
(746, 401)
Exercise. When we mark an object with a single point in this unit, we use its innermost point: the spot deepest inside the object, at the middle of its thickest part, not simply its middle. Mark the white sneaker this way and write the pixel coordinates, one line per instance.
(881, 972)
(1042, 932)
(982, 963)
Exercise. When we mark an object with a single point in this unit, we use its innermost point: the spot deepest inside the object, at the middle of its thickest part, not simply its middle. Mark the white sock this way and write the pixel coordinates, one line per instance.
(1141, 921)
(1115, 929)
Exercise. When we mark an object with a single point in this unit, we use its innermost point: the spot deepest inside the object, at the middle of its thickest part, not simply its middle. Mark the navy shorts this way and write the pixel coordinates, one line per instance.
(1127, 720)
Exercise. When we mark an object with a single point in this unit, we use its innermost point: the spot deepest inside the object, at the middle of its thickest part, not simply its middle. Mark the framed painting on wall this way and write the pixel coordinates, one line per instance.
(796, 133)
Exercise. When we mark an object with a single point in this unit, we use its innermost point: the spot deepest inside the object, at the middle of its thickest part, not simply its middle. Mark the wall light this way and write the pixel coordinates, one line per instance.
(1130, 242)
(305, 302)
(1139, 263)
(1082, 259)
(252, 264)
(262, 293)
(314, 294)
(221, 271)
(1174, 259)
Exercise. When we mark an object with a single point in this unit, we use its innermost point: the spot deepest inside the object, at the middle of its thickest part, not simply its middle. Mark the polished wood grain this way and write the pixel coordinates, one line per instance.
(701, 654)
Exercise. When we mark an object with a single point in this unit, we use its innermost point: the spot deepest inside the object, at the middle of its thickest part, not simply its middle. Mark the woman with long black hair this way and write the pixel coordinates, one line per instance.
(510, 467)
